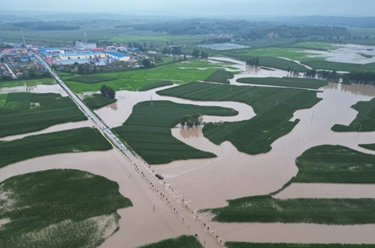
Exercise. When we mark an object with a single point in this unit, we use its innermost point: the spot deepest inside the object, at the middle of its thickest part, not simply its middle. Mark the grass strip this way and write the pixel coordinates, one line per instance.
(364, 121)
(179, 242)
(156, 85)
(290, 245)
(97, 101)
(286, 81)
(335, 164)
(274, 108)
(91, 79)
(29, 112)
(59, 208)
(76, 140)
(220, 76)
(148, 130)
(266, 209)
(368, 146)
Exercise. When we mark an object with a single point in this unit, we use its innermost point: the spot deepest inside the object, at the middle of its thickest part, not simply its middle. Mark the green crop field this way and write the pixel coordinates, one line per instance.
(274, 108)
(335, 164)
(267, 209)
(91, 79)
(368, 146)
(3, 99)
(148, 130)
(75, 140)
(320, 46)
(286, 81)
(178, 73)
(365, 120)
(289, 245)
(28, 82)
(220, 76)
(337, 66)
(156, 85)
(28, 112)
(180, 242)
(97, 101)
(59, 208)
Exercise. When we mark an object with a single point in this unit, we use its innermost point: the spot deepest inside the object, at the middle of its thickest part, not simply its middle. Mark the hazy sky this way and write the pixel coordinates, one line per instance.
(201, 7)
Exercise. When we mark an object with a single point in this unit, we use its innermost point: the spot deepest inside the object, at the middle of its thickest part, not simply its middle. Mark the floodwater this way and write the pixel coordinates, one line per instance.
(55, 128)
(117, 113)
(327, 190)
(349, 53)
(55, 88)
(201, 181)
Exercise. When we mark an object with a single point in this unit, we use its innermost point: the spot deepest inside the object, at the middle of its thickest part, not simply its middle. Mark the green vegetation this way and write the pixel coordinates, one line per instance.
(337, 66)
(156, 85)
(28, 112)
(97, 101)
(3, 99)
(91, 79)
(76, 140)
(220, 76)
(368, 146)
(29, 82)
(365, 120)
(365, 55)
(179, 73)
(59, 208)
(148, 130)
(286, 81)
(274, 108)
(288, 245)
(180, 242)
(308, 210)
(335, 164)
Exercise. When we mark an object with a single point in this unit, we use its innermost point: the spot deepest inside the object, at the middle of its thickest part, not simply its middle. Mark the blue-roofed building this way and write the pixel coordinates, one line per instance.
(118, 56)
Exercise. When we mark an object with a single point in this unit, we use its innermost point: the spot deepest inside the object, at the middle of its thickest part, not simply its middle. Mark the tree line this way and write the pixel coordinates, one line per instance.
(191, 120)
(108, 92)
(196, 53)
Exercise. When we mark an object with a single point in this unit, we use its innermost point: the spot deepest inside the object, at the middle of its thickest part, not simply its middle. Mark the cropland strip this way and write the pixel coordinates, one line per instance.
(180, 242)
(76, 140)
(274, 108)
(365, 120)
(368, 146)
(178, 73)
(335, 164)
(266, 209)
(337, 66)
(91, 79)
(59, 208)
(148, 130)
(97, 101)
(28, 82)
(3, 99)
(279, 63)
(288, 245)
(28, 112)
(156, 85)
(286, 81)
(220, 76)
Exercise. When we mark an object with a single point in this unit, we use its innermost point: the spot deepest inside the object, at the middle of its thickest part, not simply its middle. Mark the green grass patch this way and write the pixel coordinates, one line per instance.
(290, 245)
(28, 82)
(368, 146)
(335, 164)
(76, 140)
(337, 66)
(148, 130)
(3, 99)
(286, 81)
(220, 76)
(28, 112)
(59, 208)
(97, 101)
(179, 73)
(365, 120)
(91, 79)
(180, 242)
(266, 209)
(156, 85)
(274, 108)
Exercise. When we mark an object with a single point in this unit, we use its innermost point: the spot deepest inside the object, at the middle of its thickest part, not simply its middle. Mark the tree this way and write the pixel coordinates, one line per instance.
(108, 92)
(81, 70)
(191, 120)
(32, 72)
(195, 53)
(129, 45)
(146, 63)
(184, 56)
(204, 55)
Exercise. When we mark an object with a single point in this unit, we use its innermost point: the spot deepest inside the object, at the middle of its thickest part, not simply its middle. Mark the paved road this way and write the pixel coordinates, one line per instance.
(99, 123)
(10, 70)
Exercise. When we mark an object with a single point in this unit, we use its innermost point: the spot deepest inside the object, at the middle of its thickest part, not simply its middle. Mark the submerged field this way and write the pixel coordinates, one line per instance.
(28, 112)
(274, 108)
(76, 140)
(335, 164)
(286, 81)
(180, 242)
(28, 82)
(148, 130)
(287, 245)
(307, 210)
(365, 120)
(59, 208)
